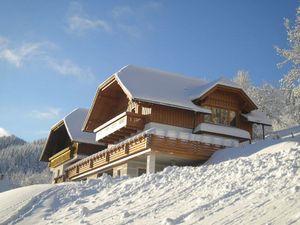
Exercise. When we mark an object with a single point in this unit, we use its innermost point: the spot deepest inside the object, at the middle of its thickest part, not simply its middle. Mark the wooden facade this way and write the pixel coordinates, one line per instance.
(117, 118)
(230, 99)
(70, 152)
(172, 116)
(108, 156)
(219, 97)
(193, 150)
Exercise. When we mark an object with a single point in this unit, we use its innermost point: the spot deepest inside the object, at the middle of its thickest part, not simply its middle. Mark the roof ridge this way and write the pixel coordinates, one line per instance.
(179, 75)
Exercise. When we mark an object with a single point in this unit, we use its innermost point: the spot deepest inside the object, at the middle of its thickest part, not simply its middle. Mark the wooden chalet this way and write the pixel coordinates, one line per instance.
(67, 144)
(150, 119)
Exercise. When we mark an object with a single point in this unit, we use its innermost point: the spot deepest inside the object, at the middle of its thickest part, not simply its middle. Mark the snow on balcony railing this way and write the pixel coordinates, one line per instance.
(207, 139)
(125, 119)
(114, 125)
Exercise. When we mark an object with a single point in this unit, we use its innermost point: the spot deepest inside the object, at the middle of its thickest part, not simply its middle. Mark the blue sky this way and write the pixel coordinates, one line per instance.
(54, 54)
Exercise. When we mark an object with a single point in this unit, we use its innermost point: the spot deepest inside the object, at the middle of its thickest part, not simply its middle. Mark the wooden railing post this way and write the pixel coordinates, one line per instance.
(107, 156)
(127, 148)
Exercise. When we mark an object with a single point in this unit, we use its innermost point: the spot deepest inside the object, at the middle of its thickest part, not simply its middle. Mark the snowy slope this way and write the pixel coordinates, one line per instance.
(254, 184)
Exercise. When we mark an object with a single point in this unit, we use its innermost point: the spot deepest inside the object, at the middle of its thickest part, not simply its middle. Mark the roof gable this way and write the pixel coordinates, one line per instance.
(72, 124)
(151, 85)
(201, 91)
(224, 85)
(164, 88)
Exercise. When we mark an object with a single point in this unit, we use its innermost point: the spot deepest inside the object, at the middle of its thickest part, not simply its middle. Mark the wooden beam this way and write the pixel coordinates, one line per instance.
(108, 84)
(123, 132)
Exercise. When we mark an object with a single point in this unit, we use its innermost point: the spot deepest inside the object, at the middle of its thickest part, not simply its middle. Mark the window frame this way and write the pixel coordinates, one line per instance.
(209, 118)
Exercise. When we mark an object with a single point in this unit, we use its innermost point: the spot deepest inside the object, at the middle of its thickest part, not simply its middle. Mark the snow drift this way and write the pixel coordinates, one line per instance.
(253, 184)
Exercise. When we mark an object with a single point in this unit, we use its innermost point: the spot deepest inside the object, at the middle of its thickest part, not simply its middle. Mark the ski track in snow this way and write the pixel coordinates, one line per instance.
(254, 184)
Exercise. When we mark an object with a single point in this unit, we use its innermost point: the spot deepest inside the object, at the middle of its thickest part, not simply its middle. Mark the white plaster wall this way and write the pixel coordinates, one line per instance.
(133, 166)
(122, 168)
(92, 176)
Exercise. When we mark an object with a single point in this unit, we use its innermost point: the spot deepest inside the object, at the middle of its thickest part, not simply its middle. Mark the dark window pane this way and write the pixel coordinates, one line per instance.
(232, 118)
(141, 171)
(207, 118)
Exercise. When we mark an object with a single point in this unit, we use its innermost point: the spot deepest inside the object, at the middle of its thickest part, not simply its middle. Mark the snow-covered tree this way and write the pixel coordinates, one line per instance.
(268, 98)
(19, 161)
(242, 78)
(290, 83)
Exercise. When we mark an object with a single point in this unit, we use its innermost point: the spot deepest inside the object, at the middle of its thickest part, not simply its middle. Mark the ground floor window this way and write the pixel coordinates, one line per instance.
(108, 172)
(141, 171)
(118, 173)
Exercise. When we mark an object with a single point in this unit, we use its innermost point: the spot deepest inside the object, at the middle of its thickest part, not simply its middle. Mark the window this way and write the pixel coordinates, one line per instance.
(221, 116)
(132, 107)
(108, 172)
(141, 171)
(146, 110)
(232, 118)
(118, 173)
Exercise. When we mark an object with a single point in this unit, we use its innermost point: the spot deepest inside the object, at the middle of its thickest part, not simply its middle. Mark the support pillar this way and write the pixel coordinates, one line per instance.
(151, 163)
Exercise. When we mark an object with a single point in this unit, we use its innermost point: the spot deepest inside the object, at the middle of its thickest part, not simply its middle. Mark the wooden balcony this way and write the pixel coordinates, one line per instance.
(120, 127)
(61, 157)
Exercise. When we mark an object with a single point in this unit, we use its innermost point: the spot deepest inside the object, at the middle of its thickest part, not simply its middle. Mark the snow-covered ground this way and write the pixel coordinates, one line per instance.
(253, 184)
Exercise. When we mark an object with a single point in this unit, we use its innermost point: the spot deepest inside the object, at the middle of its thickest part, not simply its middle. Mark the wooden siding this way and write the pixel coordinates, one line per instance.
(110, 156)
(231, 101)
(61, 157)
(245, 125)
(172, 116)
(109, 102)
(71, 151)
(188, 149)
(235, 98)
(222, 99)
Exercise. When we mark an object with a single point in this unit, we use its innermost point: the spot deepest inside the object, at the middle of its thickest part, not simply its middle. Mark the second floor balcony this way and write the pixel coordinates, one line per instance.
(120, 127)
(61, 157)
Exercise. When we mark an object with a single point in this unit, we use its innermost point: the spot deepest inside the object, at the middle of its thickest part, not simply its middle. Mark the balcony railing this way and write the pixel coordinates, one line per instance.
(119, 127)
(61, 157)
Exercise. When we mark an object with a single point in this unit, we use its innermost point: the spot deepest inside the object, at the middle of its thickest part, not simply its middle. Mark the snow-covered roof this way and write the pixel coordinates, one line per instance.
(223, 130)
(163, 88)
(160, 87)
(258, 117)
(73, 123)
(199, 92)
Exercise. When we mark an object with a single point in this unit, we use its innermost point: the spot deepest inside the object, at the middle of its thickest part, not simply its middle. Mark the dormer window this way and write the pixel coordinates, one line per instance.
(221, 116)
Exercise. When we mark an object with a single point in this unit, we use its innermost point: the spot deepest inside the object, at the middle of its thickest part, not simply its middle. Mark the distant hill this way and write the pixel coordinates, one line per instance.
(6, 141)
(19, 161)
